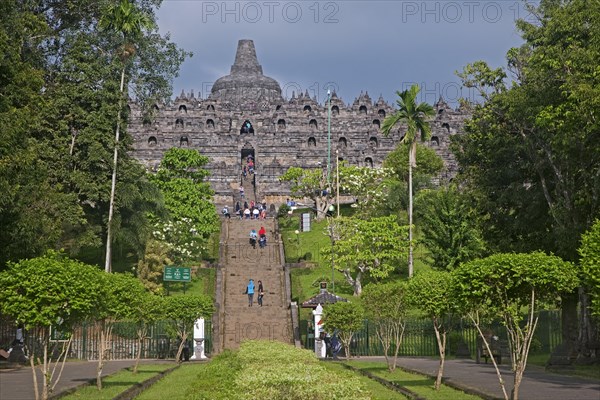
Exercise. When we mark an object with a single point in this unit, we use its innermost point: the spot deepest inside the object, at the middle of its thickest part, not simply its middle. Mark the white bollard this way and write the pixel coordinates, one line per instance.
(320, 348)
(199, 339)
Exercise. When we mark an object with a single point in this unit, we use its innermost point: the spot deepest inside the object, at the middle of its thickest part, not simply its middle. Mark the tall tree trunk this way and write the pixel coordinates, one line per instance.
(410, 210)
(441, 341)
(141, 335)
(107, 264)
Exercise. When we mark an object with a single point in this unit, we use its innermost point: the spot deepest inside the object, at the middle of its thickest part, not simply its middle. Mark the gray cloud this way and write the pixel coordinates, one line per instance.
(378, 46)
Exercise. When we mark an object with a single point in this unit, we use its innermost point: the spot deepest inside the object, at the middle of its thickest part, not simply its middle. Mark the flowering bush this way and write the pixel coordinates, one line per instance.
(182, 239)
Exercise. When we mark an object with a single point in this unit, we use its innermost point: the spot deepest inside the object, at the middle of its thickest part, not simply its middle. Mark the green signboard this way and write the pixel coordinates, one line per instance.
(177, 274)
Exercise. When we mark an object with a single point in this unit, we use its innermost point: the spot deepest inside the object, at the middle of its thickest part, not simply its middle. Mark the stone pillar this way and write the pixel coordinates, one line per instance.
(199, 339)
(320, 349)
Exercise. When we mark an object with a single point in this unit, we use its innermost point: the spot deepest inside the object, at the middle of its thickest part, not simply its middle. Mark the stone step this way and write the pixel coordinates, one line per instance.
(240, 263)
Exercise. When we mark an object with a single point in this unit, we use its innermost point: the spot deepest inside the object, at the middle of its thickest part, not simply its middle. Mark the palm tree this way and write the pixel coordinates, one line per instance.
(128, 22)
(415, 117)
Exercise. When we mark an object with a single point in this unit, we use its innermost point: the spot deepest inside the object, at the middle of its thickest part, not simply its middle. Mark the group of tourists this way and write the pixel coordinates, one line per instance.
(248, 166)
(247, 210)
(251, 289)
(251, 210)
(261, 236)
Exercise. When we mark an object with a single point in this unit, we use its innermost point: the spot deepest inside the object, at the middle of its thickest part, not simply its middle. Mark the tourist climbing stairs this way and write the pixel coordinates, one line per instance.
(240, 262)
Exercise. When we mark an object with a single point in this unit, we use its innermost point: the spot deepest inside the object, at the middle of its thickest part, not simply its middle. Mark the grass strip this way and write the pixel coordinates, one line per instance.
(117, 383)
(401, 389)
(415, 382)
(378, 390)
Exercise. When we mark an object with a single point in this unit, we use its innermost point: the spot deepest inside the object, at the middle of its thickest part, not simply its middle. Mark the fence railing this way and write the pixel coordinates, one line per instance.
(419, 337)
(122, 344)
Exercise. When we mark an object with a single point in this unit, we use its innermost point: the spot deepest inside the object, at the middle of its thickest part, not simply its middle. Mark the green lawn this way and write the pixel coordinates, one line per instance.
(117, 383)
(419, 384)
(177, 385)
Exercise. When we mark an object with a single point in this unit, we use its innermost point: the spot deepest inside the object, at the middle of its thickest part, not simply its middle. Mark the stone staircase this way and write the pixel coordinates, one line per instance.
(240, 262)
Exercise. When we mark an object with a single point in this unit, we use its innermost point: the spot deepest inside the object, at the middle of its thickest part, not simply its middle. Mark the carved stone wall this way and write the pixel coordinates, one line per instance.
(285, 133)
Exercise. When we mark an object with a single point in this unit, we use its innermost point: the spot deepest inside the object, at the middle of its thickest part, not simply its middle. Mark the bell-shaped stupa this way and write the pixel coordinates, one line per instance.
(246, 82)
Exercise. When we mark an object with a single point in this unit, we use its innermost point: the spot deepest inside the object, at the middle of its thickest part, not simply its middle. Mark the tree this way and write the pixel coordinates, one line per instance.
(505, 286)
(309, 183)
(386, 305)
(182, 312)
(373, 247)
(129, 22)
(590, 264)
(414, 115)
(429, 164)
(590, 299)
(145, 312)
(188, 198)
(369, 186)
(346, 318)
(58, 107)
(432, 292)
(150, 268)
(450, 227)
(50, 291)
(35, 208)
(123, 300)
(530, 154)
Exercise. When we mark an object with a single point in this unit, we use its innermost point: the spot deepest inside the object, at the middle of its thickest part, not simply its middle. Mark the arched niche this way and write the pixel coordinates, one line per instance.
(446, 126)
(247, 128)
(210, 107)
(369, 162)
(313, 124)
(376, 124)
(342, 142)
(210, 124)
(435, 141)
(179, 123)
(381, 113)
(281, 124)
(152, 142)
(335, 110)
(373, 142)
(362, 109)
(182, 109)
(307, 108)
(183, 141)
(312, 142)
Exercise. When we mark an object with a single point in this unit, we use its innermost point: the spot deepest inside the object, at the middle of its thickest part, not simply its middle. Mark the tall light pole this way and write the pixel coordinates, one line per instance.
(330, 209)
(329, 139)
(331, 231)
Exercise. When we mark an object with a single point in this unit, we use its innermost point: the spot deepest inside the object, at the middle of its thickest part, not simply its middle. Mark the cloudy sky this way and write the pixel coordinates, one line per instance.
(350, 45)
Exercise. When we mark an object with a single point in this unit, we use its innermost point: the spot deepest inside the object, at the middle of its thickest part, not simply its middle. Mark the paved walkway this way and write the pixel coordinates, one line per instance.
(17, 383)
(537, 384)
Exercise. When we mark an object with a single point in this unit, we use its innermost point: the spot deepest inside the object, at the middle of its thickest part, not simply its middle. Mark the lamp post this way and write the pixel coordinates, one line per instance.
(330, 221)
(329, 139)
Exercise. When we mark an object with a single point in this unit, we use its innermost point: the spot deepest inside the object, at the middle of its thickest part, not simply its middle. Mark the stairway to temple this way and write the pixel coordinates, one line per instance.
(239, 263)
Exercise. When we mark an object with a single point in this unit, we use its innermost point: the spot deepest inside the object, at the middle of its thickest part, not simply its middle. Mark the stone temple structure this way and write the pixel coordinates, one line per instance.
(245, 114)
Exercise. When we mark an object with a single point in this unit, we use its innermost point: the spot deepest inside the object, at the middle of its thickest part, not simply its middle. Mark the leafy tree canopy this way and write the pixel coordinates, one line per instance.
(450, 227)
(531, 153)
(590, 263)
(50, 290)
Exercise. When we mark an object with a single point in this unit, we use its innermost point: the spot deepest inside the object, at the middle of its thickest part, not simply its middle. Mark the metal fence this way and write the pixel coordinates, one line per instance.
(123, 343)
(419, 337)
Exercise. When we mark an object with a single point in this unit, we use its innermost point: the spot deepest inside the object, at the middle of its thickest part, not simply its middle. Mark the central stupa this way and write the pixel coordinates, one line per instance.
(246, 81)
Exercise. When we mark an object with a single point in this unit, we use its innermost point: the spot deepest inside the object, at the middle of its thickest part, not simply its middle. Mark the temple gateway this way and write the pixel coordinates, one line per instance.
(246, 115)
